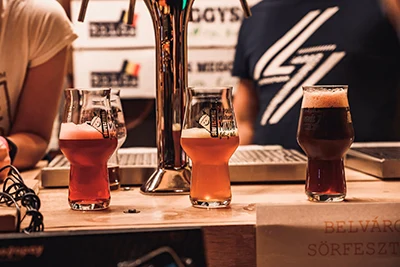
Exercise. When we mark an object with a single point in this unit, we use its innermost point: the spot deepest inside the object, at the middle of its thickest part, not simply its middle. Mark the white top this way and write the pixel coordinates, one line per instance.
(32, 32)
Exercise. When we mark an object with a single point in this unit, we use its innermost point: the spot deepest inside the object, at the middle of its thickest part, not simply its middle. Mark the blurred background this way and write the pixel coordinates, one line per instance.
(108, 53)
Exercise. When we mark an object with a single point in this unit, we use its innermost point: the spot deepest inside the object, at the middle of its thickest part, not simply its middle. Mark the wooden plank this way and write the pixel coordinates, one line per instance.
(228, 233)
(166, 211)
(230, 245)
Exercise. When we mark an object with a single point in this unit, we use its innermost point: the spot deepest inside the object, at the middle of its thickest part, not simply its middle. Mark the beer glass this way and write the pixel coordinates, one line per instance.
(210, 137)
(325, 133)
(119, 122)
(87, 139)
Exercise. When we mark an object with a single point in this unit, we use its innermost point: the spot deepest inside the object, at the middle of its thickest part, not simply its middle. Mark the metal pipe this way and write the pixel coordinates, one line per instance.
(170, 20)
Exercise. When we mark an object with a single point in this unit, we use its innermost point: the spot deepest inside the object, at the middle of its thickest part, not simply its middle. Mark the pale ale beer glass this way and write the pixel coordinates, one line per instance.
(325, 133)
(210, 137)
(119, 122)
(87, 139)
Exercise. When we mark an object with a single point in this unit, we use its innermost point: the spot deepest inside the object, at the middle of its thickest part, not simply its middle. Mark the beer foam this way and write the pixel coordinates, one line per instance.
(72, 131)
(176, 127)
(195, 133)
(203, 133)
(335, 98)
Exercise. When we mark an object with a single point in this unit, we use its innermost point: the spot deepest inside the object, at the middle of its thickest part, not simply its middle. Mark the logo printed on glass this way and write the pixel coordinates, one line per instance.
(214, 122)
(218, 122)
(99, 122)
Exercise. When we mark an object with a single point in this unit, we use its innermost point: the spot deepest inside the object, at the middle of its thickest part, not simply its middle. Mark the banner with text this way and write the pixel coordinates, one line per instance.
(105, 25)
(329, 234)
(133, 70)
(211, 23)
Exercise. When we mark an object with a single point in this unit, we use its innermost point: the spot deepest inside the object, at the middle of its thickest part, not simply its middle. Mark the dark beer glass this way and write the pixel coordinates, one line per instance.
(325, 133)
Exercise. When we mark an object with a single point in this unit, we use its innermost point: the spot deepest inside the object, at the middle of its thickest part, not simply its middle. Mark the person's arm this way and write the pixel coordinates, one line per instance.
(392, 9)
(4, 158)
(246, 107)
(37, 109)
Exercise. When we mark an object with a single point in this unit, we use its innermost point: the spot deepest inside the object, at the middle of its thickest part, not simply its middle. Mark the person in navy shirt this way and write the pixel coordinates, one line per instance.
(290, 43)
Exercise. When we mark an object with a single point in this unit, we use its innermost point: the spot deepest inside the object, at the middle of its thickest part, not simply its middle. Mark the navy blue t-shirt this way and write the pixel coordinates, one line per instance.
(290, 43)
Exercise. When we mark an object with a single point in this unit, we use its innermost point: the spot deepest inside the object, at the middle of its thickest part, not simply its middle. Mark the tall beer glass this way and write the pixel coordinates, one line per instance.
(87, 139)
(325, 133)
(210, 137)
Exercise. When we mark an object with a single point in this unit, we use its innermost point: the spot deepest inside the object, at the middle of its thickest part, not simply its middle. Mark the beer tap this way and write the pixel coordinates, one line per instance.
(170, 20)
(82, 11)
(131, 12)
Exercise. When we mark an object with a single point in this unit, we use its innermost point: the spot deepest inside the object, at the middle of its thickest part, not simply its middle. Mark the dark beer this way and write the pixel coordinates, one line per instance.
(325, 133)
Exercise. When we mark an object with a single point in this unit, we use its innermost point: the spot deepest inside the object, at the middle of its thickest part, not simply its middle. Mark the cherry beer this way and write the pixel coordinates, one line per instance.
(88, 152)
(210, 171)
(325, 133)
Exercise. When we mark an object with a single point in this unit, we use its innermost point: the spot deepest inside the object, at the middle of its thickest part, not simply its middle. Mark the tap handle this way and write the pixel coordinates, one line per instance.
(131, 12)
(82, 11)
(246, 8)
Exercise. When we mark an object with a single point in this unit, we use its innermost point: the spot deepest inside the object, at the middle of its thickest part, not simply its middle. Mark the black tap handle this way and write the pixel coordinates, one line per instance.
(82, 11)
(131, 12)
(246, 8)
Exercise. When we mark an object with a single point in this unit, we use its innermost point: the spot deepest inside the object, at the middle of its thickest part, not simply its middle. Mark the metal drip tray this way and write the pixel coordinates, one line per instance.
(248, 164)
(381, 159)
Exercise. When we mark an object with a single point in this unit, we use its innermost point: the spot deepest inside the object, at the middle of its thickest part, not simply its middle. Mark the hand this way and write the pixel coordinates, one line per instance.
(4, 160)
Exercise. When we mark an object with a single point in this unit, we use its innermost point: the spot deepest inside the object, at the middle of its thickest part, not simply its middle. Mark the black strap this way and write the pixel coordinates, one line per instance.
(13, 149)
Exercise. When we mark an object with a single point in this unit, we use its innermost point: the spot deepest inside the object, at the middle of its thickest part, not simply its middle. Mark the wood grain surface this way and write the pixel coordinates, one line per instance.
(229, 234)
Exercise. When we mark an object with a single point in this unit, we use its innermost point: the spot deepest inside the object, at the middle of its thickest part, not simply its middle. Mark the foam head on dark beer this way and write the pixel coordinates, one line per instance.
(330, 98)
(72, 131)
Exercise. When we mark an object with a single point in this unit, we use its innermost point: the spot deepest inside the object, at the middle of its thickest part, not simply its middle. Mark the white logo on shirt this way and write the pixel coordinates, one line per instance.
(270, 69)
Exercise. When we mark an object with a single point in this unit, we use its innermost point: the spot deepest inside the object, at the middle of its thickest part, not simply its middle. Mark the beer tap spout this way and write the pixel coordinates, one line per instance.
(170, 21)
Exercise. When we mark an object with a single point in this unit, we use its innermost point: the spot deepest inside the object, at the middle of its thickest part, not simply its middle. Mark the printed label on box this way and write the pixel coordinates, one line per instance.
(329, 234)
(133, 71)
(211, 23)
(105, 25)
(215, 23)
(211, 67)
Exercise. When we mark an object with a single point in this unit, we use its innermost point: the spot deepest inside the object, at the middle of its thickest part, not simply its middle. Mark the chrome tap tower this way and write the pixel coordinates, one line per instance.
(170, 21)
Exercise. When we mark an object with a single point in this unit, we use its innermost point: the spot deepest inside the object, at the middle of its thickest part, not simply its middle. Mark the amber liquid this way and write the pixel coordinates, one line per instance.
(89, 182)
(210, 172)
(325, 134)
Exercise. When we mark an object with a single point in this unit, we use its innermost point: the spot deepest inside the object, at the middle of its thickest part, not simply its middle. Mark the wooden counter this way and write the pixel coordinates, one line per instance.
(229, 233)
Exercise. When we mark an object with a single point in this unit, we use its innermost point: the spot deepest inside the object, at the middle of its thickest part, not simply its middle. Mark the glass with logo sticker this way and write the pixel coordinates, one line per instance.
(325, 133)
(210, 137)
(87, 139)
